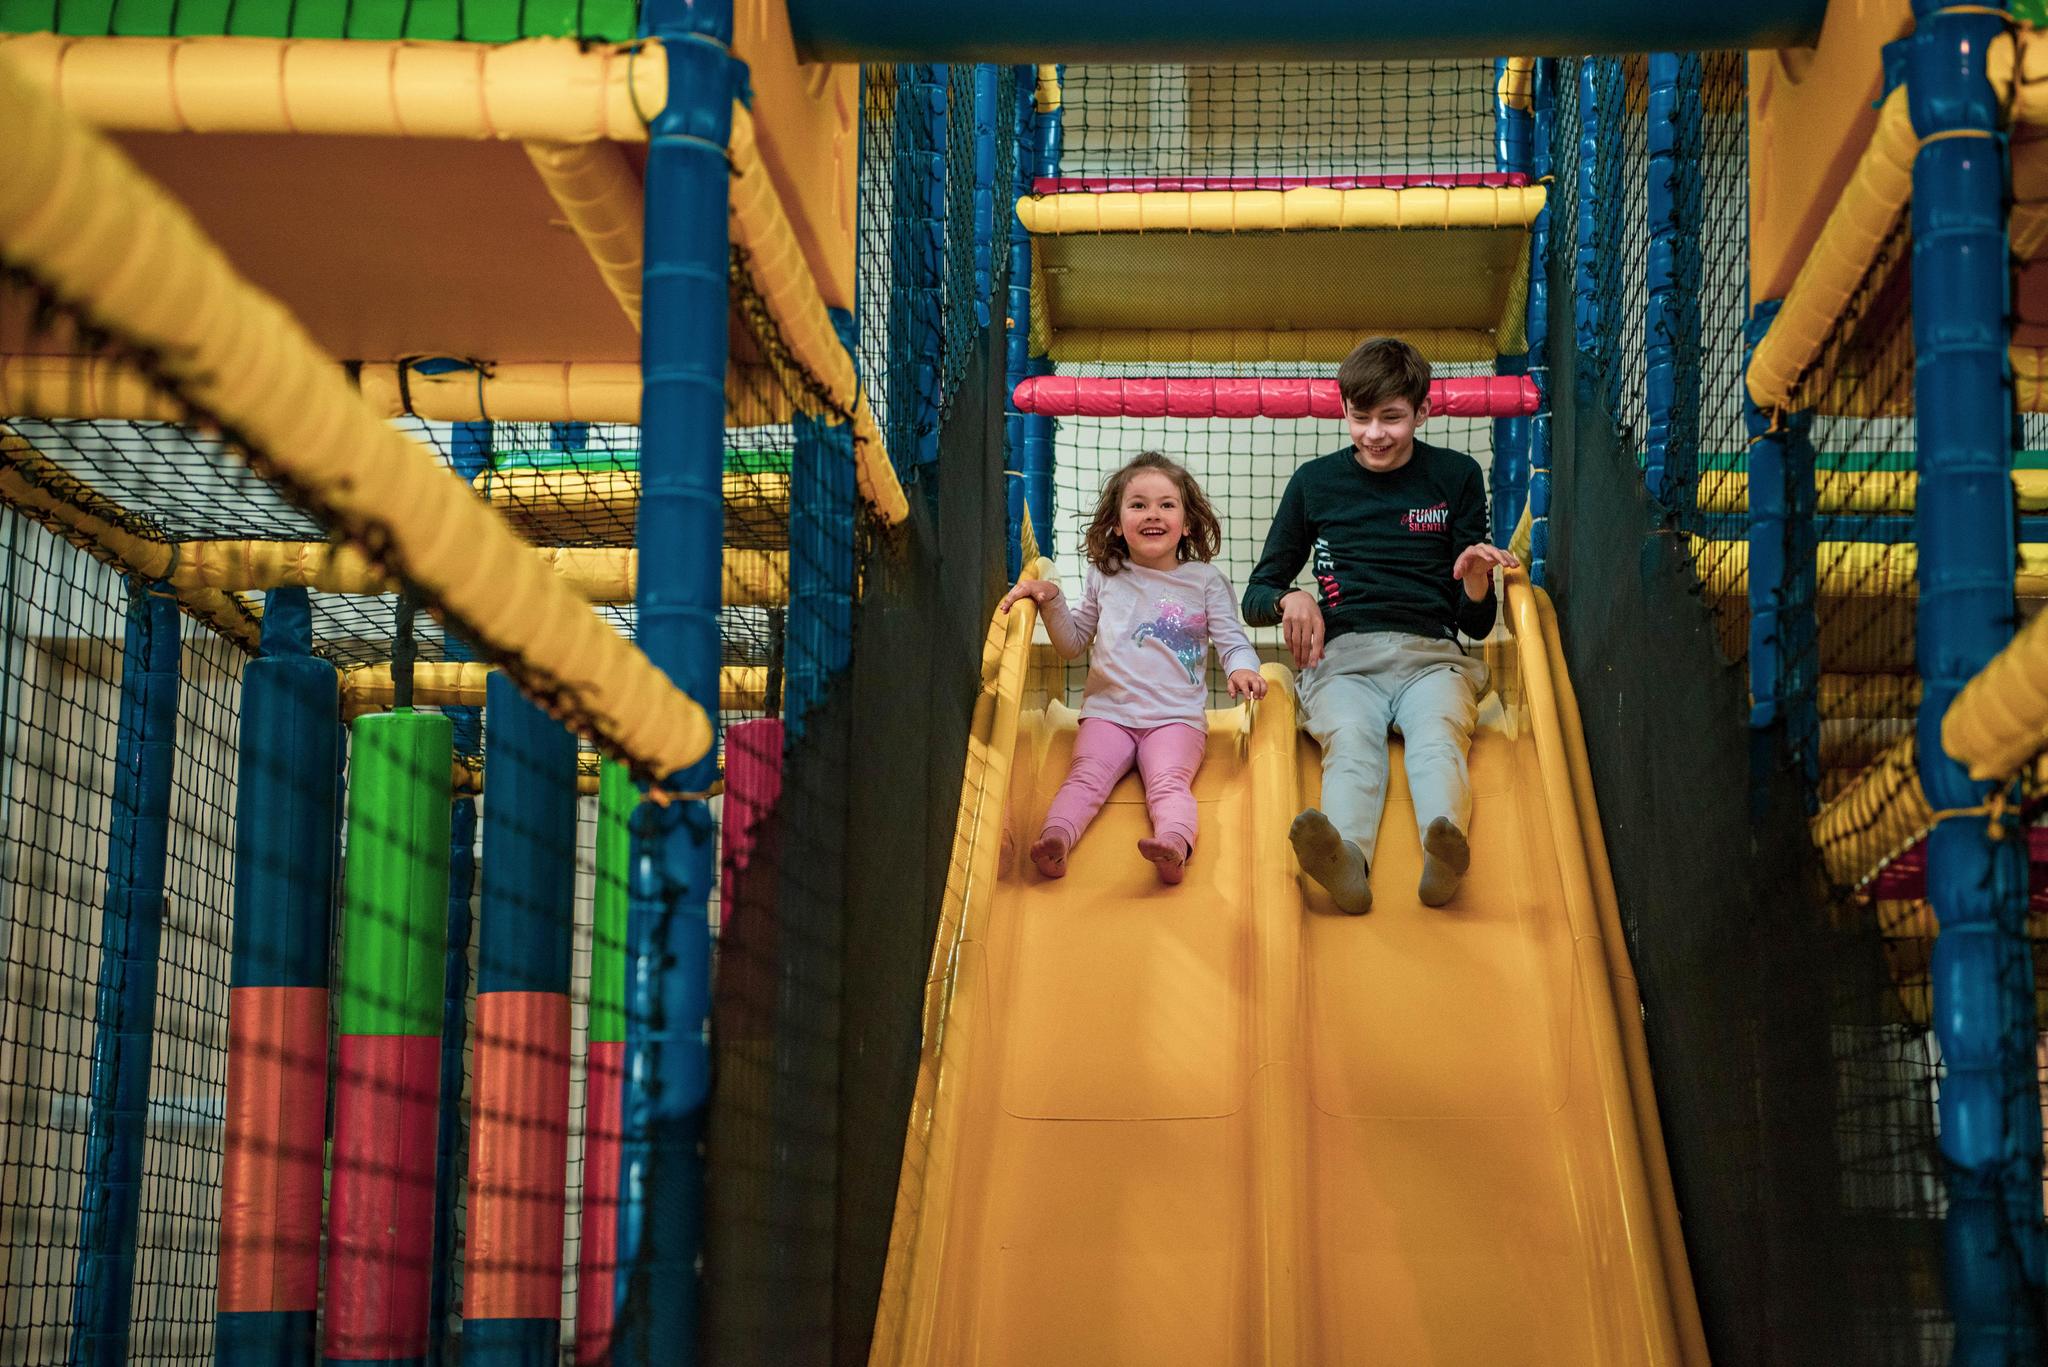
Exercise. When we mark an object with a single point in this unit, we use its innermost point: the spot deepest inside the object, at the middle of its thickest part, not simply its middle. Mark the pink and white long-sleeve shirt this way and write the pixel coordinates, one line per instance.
(1151, 631)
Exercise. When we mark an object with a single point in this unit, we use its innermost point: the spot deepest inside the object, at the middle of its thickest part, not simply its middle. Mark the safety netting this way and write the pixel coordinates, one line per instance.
(1786, 1010)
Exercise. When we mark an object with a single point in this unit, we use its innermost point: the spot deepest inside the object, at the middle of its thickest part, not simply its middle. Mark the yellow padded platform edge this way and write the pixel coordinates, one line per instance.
(1245, 346)
(1307, 209)
(46, 493)
(76, 216)
(536, 89)
(551, 507)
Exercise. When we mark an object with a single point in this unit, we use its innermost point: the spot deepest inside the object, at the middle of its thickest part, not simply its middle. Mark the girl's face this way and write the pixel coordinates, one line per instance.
(1153, 520)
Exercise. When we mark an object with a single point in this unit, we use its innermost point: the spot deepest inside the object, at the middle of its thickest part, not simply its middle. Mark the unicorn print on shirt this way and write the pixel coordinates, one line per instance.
(1184, 633)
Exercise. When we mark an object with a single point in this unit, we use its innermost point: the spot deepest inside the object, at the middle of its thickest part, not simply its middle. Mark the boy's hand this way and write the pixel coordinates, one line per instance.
(1301, 626)
(1037, 590)
(1475, 566)
(1247, 683)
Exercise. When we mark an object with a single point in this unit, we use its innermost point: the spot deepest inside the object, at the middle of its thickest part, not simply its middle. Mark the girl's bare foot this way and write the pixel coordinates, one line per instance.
(1169, 857)
(1049, 852)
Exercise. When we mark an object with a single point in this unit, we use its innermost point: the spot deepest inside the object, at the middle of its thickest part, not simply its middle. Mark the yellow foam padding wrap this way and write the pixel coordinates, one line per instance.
(775, 263)
(596, 574)
(1862, 569)
(1048, 95)
(460, 683)
(1780, 373)
(526, 391)
(600, 194)
(44, 492)
(1246, 346)
(466, 775)
(1855, 491)
(1307, 209)
(1876, 819)
(549, 506)
(76, 217)
(1999, 721)
(1516, 84)
(535, 90)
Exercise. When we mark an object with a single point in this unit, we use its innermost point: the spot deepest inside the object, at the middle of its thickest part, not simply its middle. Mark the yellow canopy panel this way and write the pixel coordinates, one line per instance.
(1208, 274)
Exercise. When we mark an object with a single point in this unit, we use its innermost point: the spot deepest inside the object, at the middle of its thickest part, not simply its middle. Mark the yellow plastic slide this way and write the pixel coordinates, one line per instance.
(1224, 1124)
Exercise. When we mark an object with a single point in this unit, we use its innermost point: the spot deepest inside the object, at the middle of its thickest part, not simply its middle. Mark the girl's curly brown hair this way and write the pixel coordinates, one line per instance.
(1200, 540)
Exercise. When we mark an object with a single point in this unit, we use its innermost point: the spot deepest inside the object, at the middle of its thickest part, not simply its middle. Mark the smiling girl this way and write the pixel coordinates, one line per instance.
(1152, 608)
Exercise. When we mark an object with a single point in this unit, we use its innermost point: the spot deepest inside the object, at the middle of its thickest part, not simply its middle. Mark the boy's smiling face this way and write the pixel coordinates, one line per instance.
(1383, 436)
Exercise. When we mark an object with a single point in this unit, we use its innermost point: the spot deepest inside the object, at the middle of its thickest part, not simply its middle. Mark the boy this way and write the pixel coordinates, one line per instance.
(1396, 529)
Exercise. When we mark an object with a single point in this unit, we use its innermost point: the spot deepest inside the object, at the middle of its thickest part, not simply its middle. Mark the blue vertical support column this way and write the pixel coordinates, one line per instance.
(987, 194)
(124, 1008)
(1671, 329)
(680, 537)
(1784, 654)
(1038, 455)
(917, 265)
(1593, 304)
(1982, 972)
(1514, 130)
(1017, 334)
(1542, 115)
(822, 499)
(470, 447)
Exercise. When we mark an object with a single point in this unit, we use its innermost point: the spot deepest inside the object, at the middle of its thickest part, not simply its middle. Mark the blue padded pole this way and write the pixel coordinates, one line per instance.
(1514, 127)
(1542, 123)
(1784, 659)
(987, 194)
(1982, 972)
(1039, 452)
(124, 1009)
(917, 264)
(680, 537)
(822, 499)
(1017, 339)
(470, 448)
(1672, 316)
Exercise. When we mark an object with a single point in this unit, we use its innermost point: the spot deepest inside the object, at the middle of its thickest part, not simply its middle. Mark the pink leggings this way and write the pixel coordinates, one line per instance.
(1167, 757)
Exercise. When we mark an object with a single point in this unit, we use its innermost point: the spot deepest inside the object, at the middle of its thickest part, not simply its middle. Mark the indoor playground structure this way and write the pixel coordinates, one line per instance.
(513, 790)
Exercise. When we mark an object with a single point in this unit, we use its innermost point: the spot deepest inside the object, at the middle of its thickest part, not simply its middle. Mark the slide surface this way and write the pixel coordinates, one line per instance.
(1223, 1123)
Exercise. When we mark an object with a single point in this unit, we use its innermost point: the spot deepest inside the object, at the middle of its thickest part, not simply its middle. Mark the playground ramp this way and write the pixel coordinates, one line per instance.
(1224, 1123)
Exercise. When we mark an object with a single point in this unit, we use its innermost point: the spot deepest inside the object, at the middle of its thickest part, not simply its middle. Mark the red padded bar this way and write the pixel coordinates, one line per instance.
(1068, 396)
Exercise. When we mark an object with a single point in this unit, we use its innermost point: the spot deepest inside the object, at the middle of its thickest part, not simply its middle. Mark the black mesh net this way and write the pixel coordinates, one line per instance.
(1796, 1076)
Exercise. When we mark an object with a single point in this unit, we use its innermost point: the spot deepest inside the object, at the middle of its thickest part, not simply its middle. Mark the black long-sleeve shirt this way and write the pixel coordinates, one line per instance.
(1382, 545)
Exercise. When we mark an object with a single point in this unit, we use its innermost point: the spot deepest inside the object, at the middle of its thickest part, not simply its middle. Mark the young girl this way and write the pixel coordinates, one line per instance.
(1152, 606)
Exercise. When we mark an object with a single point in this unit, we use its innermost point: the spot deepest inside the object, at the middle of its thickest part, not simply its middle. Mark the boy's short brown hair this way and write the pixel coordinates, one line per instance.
(1383, 368)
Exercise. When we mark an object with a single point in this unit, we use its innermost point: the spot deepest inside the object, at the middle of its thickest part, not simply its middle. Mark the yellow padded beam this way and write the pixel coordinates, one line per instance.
(538, 89)
(460, 683)
(1859, 491)
(44, 492)
(774, 261)
(528, 391)
(1999, 721)
(1862, 569)
(1307, 209)
(77, 218)
(598, 574)
(600, 194)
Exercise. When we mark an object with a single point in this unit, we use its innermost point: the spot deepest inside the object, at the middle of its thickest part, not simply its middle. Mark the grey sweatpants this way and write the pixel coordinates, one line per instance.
(1372, 682)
